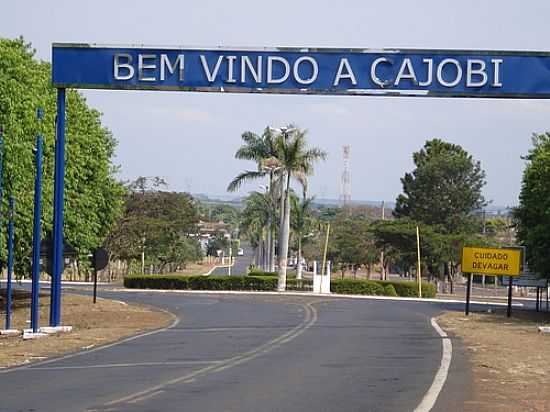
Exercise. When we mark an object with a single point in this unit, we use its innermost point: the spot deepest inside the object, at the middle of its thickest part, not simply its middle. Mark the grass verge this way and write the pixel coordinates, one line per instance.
(510, 359)
(93, 325)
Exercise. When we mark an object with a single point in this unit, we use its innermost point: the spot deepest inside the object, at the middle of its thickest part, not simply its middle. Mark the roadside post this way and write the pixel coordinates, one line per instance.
(491, 261)
(1, 185)
(10, 263)
(468, 290)
(35, 312)
(100, 258)
(419, 265)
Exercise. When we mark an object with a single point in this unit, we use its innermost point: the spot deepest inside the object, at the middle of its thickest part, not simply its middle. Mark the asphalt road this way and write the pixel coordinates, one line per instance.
(241, 264)
(253, 353)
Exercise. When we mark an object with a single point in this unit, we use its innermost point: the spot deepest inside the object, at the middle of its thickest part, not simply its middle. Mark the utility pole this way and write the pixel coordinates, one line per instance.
(418, 270)
(382, 266)
(230, 256)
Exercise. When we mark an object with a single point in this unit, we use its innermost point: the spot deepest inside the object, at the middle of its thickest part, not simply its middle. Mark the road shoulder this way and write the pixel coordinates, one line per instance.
(93, 326)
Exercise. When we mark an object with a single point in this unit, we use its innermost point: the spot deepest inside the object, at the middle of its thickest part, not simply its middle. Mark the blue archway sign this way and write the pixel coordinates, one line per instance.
(323, 71)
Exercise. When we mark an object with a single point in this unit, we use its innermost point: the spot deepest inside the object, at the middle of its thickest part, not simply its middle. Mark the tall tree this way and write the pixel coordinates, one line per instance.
(262, 150)
(158, 223)
(444, 189)
(296, 160)
(93, 197)
(532, 216)
(256, 224)
(301, 224)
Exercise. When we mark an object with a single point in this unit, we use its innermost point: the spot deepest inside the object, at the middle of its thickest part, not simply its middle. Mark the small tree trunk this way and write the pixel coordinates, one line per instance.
(284, 237)
(299, 263)
(267, 262)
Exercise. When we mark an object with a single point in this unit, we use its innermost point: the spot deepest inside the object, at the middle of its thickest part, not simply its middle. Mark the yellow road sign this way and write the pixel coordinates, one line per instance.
(491, 261)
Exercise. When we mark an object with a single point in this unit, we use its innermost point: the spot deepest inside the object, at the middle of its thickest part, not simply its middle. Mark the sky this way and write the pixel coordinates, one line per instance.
(190, 138)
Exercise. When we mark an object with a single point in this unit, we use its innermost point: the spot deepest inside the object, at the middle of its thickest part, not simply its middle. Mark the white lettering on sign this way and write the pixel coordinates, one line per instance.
(211, 75)
(429, 73)
(256, 72)
(406, 71)
(143, 66)
(127, 67)
(374, 77)
(385, 72)
(281, 60)
(230, 63)
(123, 68)
(496, 78)
(348, 74)
(165, 64)
(479, 71)
(314, 70)
(445, 82)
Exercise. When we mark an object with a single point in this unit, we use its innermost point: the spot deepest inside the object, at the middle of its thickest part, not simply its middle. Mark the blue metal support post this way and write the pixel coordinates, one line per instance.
(57, 258)
(10, 262)
(1, 188)
(37, 227)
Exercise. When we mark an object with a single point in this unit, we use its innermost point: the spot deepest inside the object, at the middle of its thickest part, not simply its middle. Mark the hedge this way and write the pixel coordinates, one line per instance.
(409, 289)
(269, 283)
(200, 282)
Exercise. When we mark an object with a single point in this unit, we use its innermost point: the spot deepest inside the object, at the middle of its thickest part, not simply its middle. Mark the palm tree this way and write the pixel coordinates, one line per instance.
(261, 149)
(301, 221)
(255, 218)
(296, 161)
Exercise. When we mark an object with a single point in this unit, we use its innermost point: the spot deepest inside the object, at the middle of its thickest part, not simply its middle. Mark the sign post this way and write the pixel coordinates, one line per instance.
(490, 261)
(322, 71)
(35, 308)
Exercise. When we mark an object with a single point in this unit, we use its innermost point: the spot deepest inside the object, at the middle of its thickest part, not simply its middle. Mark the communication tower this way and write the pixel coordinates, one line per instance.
(345, 189)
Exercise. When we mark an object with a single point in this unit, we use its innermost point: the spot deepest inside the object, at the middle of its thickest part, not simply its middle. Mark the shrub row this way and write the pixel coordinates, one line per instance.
(408, 288)
(200, 282)
(269, 283)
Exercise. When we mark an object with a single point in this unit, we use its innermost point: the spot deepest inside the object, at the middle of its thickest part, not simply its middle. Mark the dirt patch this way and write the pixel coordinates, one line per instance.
(93, 325)
(509, 357)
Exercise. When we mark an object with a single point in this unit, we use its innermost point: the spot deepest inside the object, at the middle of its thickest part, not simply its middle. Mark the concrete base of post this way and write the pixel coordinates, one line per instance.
(321, 283)
(55, 329)
(10, 332)
(29, 334)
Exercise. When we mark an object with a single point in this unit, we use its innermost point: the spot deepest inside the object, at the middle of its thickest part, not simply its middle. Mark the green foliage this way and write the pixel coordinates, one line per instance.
(218, 242)
(158, 222)
(356, 287)
(409, 289)
(93, 198)
(258, 272)
(389, 290)
(220, 212)
(269, 283)
(444, 189)
(352, 243)
(200, 282)
(532, 216)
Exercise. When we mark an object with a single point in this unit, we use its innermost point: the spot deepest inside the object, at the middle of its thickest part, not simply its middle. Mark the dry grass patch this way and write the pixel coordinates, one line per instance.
(509, 357)
(93, 325)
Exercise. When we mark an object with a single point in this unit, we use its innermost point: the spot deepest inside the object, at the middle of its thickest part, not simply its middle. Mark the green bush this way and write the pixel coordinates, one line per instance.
(409, 289)
(389, 290)
(269, 283)
(303, 285)
(200, 282)
(356, 287)
(259, 272)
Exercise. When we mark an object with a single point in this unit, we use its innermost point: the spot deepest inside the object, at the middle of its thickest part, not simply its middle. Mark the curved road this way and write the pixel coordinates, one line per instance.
(253, 353)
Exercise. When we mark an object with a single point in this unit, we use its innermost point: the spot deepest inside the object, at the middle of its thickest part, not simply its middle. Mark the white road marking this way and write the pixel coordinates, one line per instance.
(309, 319)
(430, 397)
(129, 365)
(145, 397)
(73, 355)
(311, 294)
